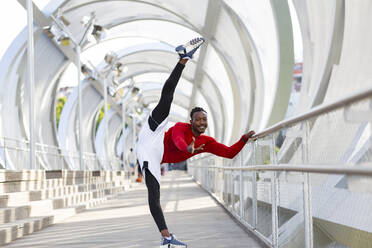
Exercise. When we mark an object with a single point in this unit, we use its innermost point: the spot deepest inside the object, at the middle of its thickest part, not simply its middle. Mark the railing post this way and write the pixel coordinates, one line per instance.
(5, 159)
(308, 216)
(241, 199)
(206, 179)
(106, 123)
(60, 160)
(232, 187)
(134, 134)
(31, 76)
(274, 196)
(225, 180)
(254, 187)
(80, 108)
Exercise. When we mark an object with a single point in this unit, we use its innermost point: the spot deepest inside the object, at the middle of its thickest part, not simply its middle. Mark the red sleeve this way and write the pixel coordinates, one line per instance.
(178, 137)
(222, 150)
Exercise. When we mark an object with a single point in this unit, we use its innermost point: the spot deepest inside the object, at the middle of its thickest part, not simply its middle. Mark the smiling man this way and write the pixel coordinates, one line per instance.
(182, 141)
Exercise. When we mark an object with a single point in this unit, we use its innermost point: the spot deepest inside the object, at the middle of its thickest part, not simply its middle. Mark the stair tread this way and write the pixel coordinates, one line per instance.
(6, 195)
(63, 196)
(13, 207)
(23, 221)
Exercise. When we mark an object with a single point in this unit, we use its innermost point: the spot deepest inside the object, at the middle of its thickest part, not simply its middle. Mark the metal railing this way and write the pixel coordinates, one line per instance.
(15, 155)
(305, 181)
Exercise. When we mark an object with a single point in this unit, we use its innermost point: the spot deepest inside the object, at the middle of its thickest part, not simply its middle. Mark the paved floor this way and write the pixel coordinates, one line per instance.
(190, 212)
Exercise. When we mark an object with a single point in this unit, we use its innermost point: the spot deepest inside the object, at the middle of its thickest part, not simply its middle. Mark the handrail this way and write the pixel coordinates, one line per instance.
(324, 169)
(362, 94)
(41, 145)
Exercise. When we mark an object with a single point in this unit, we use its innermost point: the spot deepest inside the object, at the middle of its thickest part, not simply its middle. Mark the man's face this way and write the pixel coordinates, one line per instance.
(199, 122)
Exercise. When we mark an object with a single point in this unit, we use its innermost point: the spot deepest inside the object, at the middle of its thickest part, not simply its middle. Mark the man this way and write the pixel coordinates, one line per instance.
(182, 141)
(131, 160)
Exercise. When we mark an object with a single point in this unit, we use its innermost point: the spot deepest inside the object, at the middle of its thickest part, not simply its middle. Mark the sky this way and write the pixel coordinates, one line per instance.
(13, 18)
(12, 13)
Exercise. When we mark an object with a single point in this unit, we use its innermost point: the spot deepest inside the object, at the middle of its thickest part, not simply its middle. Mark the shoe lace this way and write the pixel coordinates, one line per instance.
(194, 41)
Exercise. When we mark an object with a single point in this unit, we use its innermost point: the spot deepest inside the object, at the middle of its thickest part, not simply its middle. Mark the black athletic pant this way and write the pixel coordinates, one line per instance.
(159, 114)
(161, 111)
(153, 189)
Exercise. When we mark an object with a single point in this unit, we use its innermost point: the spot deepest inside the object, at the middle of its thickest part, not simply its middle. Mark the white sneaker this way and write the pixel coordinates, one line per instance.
(187, 50)
(172, 243)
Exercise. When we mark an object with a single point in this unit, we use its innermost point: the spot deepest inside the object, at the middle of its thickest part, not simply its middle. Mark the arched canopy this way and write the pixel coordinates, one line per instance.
(228, 76)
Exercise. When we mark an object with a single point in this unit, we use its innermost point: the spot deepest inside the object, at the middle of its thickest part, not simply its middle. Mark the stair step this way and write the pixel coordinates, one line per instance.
(22, 181)
(23, 227)
(3, 201)
(20, 198)
(12, 214)
(21, 175)
(31, 201)
(46, 206)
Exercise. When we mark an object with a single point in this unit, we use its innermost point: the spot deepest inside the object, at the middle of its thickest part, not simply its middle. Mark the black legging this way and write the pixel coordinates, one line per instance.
(153, 189)
(160, 112)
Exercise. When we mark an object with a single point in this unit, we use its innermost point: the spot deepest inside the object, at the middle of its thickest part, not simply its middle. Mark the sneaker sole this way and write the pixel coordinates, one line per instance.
(172, 246)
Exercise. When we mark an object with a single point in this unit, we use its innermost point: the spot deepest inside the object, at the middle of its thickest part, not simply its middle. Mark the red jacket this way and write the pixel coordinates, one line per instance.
(178, 137)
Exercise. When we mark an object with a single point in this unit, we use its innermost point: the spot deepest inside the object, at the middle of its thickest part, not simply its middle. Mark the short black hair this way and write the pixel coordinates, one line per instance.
(196, 109)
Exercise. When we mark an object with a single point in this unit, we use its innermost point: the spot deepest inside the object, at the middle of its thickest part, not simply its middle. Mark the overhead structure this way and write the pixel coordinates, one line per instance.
(229, 77)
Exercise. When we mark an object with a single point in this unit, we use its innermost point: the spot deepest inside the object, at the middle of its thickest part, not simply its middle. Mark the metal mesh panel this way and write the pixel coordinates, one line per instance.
(289, 144)
(342, 211)
(15, 155)
(337, 137)
(227, 188)
(264, 204)
(290, 209)
(219, 185)
(236, 192)
(247, 192)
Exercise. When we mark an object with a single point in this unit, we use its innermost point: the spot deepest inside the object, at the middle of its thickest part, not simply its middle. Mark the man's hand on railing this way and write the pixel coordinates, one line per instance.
(249, 135)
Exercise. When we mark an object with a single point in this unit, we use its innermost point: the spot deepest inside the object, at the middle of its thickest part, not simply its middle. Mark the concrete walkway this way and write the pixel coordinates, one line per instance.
(125, 221)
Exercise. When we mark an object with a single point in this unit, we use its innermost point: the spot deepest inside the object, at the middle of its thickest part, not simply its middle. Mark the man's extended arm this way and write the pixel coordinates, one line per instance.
(222, 150)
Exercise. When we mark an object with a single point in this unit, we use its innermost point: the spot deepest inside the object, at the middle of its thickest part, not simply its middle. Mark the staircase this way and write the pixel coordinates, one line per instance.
(34, 199)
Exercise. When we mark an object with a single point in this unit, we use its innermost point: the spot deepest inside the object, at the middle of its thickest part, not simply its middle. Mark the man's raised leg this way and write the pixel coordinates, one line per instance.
(161, 111)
